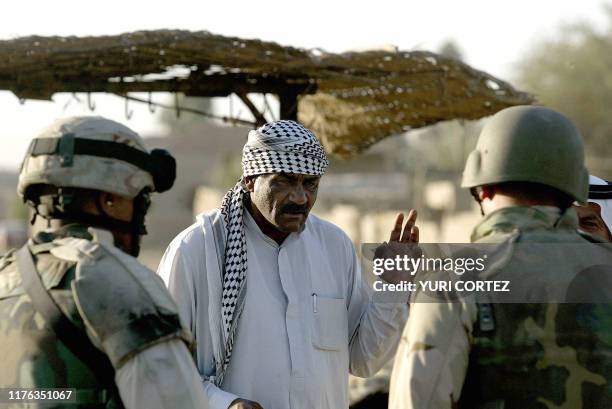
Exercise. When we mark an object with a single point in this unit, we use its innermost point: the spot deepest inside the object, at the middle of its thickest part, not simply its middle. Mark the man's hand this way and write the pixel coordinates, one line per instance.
(244, 404)
(401, 242)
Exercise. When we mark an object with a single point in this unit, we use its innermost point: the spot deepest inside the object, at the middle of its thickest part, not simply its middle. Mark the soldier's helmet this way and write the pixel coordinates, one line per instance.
(529, 144)
(93, 153)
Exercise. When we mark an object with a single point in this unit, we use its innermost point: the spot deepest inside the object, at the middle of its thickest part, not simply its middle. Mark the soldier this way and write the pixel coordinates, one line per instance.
(77, 310)
(525, 172)
(595, 216)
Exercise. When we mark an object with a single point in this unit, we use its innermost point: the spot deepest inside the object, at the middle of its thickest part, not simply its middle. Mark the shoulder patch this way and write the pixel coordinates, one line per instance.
(124, 305)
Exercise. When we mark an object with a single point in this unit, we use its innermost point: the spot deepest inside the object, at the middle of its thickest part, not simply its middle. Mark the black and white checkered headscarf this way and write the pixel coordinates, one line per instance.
(281, 146)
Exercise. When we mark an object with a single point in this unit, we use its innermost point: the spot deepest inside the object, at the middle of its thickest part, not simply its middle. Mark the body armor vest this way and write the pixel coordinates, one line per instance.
(32, 355)
(541, 356)
(544, 355)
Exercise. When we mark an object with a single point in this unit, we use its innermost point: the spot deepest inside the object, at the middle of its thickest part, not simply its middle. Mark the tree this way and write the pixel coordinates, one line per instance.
(451, 49)
(572, 73)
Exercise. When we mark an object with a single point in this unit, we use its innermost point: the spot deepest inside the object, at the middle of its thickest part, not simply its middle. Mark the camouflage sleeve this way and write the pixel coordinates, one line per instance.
(124, 305)
(432, 357)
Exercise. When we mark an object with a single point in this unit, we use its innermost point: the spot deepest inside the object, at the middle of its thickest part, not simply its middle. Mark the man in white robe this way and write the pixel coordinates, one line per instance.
(595, 216)
(274, 296)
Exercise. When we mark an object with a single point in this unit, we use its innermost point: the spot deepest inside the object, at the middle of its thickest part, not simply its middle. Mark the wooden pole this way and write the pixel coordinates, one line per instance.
(288, 105)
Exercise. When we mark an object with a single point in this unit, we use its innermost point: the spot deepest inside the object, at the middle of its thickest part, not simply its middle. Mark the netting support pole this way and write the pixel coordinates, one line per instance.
(288, 105)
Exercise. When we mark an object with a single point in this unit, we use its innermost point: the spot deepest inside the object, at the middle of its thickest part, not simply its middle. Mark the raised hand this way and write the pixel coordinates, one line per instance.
(403, 241)
(410, 233)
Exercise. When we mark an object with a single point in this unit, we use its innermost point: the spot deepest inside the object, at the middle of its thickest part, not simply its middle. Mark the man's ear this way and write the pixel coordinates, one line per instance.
(249, 182)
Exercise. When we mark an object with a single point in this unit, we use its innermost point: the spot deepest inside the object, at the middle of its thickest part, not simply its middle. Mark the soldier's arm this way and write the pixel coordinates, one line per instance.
(432, 357)
(132, 318)
(162, 376)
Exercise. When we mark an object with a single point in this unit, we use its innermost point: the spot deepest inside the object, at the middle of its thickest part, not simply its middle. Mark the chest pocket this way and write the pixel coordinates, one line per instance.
(330, 323)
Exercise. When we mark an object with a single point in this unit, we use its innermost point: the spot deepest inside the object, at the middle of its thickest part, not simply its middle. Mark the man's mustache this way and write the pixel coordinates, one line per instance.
(294, 208)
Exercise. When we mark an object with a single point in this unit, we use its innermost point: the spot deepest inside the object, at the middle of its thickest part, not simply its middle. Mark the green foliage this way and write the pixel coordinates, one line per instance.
(573, 73)
(445, 146)
(451, 49)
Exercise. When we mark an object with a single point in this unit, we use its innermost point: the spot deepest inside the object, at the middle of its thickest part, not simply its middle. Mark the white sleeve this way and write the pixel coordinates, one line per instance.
(375, 327)
(181, 266)
(162, 376)
(175, 268)
(218, 398)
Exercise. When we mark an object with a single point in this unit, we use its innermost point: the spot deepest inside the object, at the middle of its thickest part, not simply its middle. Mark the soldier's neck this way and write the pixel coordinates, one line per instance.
(501, 201)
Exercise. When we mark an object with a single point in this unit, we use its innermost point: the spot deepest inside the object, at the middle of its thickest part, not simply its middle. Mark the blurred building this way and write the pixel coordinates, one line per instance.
(13, 234)
(204, 154)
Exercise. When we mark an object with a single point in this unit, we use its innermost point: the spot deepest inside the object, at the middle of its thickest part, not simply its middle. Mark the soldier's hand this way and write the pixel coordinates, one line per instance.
(403, 241)
(244, 404)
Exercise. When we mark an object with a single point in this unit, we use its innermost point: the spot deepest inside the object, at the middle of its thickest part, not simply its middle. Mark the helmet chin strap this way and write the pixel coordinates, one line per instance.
(475, 194)
(59, 206)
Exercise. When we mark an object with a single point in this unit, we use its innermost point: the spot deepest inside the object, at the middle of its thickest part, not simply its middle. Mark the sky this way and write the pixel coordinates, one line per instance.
(493, 35)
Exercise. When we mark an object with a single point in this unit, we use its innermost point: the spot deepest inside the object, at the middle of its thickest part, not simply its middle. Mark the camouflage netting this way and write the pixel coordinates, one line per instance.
(350, 100)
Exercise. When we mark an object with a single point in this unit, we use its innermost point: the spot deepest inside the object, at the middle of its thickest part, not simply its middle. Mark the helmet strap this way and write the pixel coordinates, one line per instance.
(60, 205)
(475, 191)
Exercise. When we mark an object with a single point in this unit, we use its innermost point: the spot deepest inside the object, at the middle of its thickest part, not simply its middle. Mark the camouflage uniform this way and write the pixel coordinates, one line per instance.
(92, 282)
(539, 356)
(131, 349)
(515, 355)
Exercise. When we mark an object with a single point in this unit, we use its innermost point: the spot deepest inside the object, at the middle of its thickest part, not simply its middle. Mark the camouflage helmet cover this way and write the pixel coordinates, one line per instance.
(529, 144)
(84, 171)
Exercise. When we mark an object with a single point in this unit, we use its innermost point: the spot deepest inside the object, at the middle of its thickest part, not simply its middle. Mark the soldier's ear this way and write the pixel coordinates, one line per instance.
(115, 206)
(106, 203)
(487, 192)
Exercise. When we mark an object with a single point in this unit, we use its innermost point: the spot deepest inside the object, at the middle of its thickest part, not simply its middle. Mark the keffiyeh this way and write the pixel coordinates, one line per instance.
(281, 146)
(600, 192)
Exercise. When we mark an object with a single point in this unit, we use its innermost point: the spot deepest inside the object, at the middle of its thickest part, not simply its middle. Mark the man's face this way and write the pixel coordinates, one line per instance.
(284, 199)
(590, 220)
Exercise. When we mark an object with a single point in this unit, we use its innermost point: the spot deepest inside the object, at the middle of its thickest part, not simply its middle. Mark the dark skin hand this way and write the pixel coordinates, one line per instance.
(402, 241)
(280, 202)
(590, 221)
